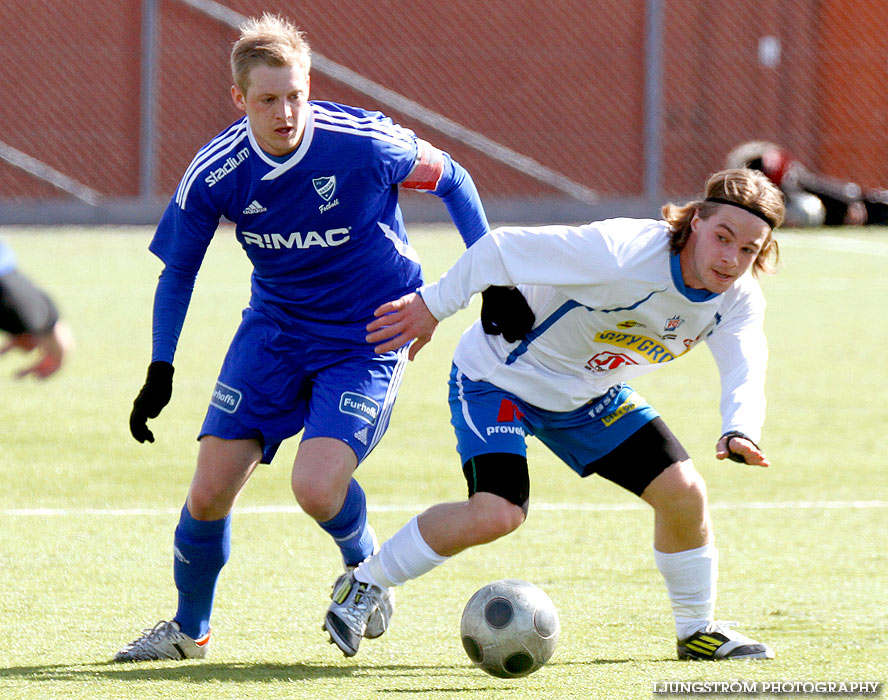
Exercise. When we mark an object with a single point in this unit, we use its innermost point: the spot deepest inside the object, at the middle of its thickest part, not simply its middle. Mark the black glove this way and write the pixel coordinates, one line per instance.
(504, 310)
(155, 394)
(736, 456)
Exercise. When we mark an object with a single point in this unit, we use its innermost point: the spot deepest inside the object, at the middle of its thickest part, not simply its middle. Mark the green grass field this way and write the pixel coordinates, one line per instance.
(87, 514)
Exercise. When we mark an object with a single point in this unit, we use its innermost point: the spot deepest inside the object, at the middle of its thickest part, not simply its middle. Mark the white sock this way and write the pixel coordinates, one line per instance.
(404, 556)
(691, 578)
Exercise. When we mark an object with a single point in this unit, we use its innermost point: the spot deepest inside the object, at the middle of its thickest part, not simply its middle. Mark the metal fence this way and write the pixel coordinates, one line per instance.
(560, 109)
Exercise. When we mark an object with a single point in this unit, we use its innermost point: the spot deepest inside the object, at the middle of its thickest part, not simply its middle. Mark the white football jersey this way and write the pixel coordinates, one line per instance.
(610, 305)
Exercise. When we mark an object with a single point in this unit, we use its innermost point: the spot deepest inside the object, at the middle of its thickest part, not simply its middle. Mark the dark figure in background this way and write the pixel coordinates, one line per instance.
(812, 199)
(30, 321)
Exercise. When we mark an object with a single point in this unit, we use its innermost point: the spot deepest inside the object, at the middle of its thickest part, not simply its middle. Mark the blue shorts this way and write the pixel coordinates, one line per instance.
(488, 419)
(275, 383)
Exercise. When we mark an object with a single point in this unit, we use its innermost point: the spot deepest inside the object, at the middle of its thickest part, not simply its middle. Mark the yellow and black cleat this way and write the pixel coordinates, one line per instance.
(717, 642)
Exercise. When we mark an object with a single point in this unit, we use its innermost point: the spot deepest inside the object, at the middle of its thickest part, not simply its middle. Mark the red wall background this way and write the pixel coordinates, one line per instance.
(560, 82)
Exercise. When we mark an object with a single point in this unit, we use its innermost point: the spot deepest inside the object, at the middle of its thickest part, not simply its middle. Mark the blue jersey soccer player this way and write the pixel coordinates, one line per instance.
(312, 188)
(615, 299)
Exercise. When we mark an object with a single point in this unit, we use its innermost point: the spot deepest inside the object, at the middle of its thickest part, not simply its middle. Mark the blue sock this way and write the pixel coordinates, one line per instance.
(201, 548)
(350, 529)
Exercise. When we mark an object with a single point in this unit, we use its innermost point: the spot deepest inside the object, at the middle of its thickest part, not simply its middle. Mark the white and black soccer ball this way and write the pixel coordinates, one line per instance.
(804, 210)
(509, 628)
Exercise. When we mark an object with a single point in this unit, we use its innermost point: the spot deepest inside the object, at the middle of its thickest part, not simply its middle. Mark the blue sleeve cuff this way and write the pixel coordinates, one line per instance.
(458, 192)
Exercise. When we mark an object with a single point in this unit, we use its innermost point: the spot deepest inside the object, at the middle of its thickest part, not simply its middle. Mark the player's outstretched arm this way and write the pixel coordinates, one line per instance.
(400, 321)
(739, 448)
(52, 349)
(32, 320)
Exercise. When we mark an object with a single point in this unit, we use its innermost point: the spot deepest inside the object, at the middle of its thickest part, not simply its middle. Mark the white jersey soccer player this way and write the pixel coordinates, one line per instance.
(610, 304)
(611, 300)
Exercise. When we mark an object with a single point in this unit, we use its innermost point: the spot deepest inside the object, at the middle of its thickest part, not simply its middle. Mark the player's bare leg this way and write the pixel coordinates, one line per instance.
(322, 471)
(424, 543)
(681, 514)
(449, 528)
(223, 469)
(686, 556)
(323, 484)
(201, 548)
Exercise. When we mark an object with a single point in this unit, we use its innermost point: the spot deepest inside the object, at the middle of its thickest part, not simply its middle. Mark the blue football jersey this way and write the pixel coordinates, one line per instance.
(321, 226)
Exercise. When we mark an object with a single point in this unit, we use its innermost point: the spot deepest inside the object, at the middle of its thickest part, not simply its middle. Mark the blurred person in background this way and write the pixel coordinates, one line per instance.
(312, 188)
(613, 300)
(30, 320)
(812, 199)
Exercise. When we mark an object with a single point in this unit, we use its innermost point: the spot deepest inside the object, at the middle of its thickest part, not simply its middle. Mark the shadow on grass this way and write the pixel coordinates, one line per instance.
(240, 672)
(192, 672)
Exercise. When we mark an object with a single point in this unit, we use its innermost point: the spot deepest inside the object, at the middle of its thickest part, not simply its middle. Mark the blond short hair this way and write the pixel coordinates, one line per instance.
(748, 188)
(269, 40)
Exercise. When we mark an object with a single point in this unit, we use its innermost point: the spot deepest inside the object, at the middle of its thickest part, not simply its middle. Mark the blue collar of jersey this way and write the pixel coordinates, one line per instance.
(677, 279)
(279, 167)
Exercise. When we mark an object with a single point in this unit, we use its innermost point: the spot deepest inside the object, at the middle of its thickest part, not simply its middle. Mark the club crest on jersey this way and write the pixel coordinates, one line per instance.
(672, 323)
(325, 186)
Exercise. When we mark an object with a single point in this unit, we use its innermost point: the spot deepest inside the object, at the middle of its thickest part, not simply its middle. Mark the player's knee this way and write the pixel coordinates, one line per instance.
(690, 487)
(210, 500)
(208, 504)
(508, 517)
(680, 488)
(493, 516)
(318, 498)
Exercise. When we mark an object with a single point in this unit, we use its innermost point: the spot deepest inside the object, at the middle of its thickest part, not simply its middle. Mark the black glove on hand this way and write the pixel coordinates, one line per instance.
(504, 310)
(155, 394)
(736, 456)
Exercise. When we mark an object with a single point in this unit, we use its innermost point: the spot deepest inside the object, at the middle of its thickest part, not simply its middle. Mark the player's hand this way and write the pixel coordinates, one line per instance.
(739, 448)
(23, 341)
(52, 347)
(400, 321)
(155, 394)
(505, 311)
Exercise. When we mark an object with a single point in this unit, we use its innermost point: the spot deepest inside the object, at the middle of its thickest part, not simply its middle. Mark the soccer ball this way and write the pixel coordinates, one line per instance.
(509, 628)
(805, 210)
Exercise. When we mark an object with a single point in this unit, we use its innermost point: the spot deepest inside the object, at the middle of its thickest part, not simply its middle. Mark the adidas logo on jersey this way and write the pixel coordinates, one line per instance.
(254, 208)
(362, 435)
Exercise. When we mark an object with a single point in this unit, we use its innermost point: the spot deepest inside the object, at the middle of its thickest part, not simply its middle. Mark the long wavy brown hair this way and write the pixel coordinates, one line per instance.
(744, 186)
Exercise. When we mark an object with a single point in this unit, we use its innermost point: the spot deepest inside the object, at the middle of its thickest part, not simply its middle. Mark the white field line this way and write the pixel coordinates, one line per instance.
(416, 508)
